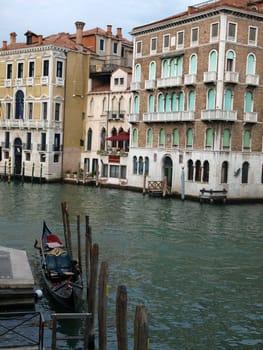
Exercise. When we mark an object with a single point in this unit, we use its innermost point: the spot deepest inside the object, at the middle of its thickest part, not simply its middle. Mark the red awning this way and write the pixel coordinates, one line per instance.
(122, 136)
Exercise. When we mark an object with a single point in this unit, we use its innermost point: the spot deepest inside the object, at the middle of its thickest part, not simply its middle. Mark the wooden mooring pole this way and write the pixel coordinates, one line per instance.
(121, 318)
(102, 305)
(141, 338)
(79, 244)
(88, 236)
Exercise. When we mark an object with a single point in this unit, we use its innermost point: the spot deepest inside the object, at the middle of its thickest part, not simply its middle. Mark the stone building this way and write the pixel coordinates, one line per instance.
(197, 117)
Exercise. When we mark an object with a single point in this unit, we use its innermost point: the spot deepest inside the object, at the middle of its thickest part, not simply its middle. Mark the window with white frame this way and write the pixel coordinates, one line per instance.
(44, 110)
(115, 48)
(20, 70)
(102, 44)
(166, 42)
(31, 69)
(180, 40)
(232, 31)
(138, 48)
(57, 111)
(9, 71)
(194, 36)
(59, 71)
(153, 45)
(214, 35)
(30, 110)
(252, 35)
(8, 110)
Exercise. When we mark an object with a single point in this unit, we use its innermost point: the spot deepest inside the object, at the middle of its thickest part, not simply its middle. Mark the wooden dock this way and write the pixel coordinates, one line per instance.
(213, 195)
(16, 279)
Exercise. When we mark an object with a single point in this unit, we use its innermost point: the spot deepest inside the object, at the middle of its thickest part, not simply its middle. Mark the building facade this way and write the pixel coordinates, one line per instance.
(197, 116)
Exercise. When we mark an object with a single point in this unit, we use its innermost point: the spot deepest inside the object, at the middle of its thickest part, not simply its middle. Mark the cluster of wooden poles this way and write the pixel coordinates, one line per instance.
(93, 280)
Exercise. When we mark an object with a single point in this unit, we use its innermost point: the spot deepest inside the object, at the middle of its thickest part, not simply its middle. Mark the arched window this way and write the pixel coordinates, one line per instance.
(167, 103)
(209, 137)
(228, 100)
(211, 101)
(230, 61)
(91, 106)
(121, 107)
(226, 138)
(137, 73)
(161, 137)
(176, 137)
(212, 66)
(248, 102)
(89, 139)
(102, 139)
(114, 104)
(189, 137)
(19, 112)
(174, 102)
(190, 173)
(152, 71)
(104, 105)
(251, 64)
(151, 104)
(135, 136)
(206, 171)
(198, 170)
(191, 100)
(247, 139)
(176, 68)
(193, 64)
(245, 168)
(147, 165)
(181, 101)
(136, 104)
(160, 103)
(165, 68)
(140, 165)
(224, 172)
(135, 165)
(149, 138)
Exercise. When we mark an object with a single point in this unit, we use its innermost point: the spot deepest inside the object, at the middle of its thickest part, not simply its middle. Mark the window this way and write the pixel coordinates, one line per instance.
(114, 171)
(191, 100)
(57, 111)
(101, 44)
(176, 137)
(136, 104)
(198, 170)
(176, 67)
(20, 69)
(149, 138)
(135, 165)
(89, 139)
(56, 142)
(160, 103)
(161, 137)
(151, 104)
(140, 165)
(42, 158)
(135, 136)
(59, 69)
(226, 138)
(102, 138)
(115, 48)
(180, 40)
(8, 110)
(174, 102)
(19, 112)
(251, 64)
(45, 68)
(116, 81)
(104, 170)
(194, 36)
(165, 69)
(209, 137)
(246, 139)
(211, 99)
(138, 73)
(224, 172)
(245, 168)
(248, 102)
(193, 64)
(212, 66)
(31, 69)
(138, 48)
(190, 167)
(152, 71)
(121, 81)
(231, 34)
(166, 42)
(214, 31)
(181, 101)
(43, 142)
(230, 61)
(228, 100)
(56, 158)
(44, 110)
(30, 110)
(252, 36)
(123, 174)
(9, 71)
(206, 171)
(153, 45)
(28, 141)
(7, 139)
(189, 137)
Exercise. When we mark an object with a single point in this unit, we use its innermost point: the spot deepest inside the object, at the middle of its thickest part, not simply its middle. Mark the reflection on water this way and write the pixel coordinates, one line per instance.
(197, 268)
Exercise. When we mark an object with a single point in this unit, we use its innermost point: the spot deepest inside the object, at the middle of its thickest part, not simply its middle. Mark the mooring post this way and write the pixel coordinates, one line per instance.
(79, 244)
(88, 245)
(121, 318)
(141, 338)
(102, 305)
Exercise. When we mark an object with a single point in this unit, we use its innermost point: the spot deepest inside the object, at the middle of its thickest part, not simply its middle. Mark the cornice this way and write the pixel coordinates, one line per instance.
(33, 50)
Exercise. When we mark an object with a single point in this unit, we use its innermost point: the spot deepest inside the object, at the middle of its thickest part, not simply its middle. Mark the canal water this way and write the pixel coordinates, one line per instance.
(197, 268)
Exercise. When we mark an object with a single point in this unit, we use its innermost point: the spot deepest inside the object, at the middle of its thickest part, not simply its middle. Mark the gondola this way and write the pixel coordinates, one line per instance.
(60, 272)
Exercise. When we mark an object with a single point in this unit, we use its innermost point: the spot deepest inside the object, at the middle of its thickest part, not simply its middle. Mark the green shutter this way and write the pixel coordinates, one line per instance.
(247, 136)
(209, 137)
(226, 138)
(175, 137)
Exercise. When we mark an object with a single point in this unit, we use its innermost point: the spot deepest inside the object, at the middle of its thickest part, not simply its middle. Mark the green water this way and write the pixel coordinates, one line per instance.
(198, 269)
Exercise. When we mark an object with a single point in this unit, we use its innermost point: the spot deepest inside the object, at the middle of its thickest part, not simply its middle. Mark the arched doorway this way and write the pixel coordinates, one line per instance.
(168, 171)
(17, 156)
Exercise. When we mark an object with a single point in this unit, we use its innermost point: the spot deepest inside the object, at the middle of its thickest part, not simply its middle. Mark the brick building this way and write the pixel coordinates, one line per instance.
(197, 115)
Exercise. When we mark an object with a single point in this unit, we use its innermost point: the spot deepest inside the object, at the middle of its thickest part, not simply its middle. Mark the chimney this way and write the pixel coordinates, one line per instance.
(12, 38)
(119, 33)
(79, 27)
(109, 29)
(40, 39)
(4, 46)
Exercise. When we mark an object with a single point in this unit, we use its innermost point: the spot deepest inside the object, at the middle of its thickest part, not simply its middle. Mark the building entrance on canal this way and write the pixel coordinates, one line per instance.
(168, 171)
(17, 156)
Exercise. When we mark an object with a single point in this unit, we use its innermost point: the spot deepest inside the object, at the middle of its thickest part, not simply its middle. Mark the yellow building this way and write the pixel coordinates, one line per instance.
(43, 82)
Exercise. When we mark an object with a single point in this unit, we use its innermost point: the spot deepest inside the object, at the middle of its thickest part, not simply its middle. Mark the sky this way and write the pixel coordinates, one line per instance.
(46, 17)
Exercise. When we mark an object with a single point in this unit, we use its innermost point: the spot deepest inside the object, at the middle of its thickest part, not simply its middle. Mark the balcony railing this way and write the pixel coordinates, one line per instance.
(44, 80)
(8, 82)
(231, 77)
(133, 118)
(27, 146)
(251, 117)
(29, 124)
(19, 81)
(252, 79)
(5, 145)
(169, 82)
(59, 81)
(168, 116)
(218, 115)
(41, 147)
(150, 84)
(190, 79)
(30, 81)
(209, 77)
(135, 85)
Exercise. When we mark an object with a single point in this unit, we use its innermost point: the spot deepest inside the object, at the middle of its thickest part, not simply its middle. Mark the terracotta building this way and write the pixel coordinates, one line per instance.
(197, 117)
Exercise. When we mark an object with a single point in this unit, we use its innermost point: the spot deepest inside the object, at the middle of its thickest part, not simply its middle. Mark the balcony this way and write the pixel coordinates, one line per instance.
(169, 82)
(8, 82)
(59, 81)
(19, 82)
(135, 86)
(250, 117)
(44, 80)
(30, 81)
(29, 124)
(27, 146)
(116, 115)
(209, 77)
(5, 145)
(218, 115)
(161, 117)
(190, 79)
(57, 148)
(133, 118)
(252, 79)
(41, 147)
(231, 77)
(150, 84)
